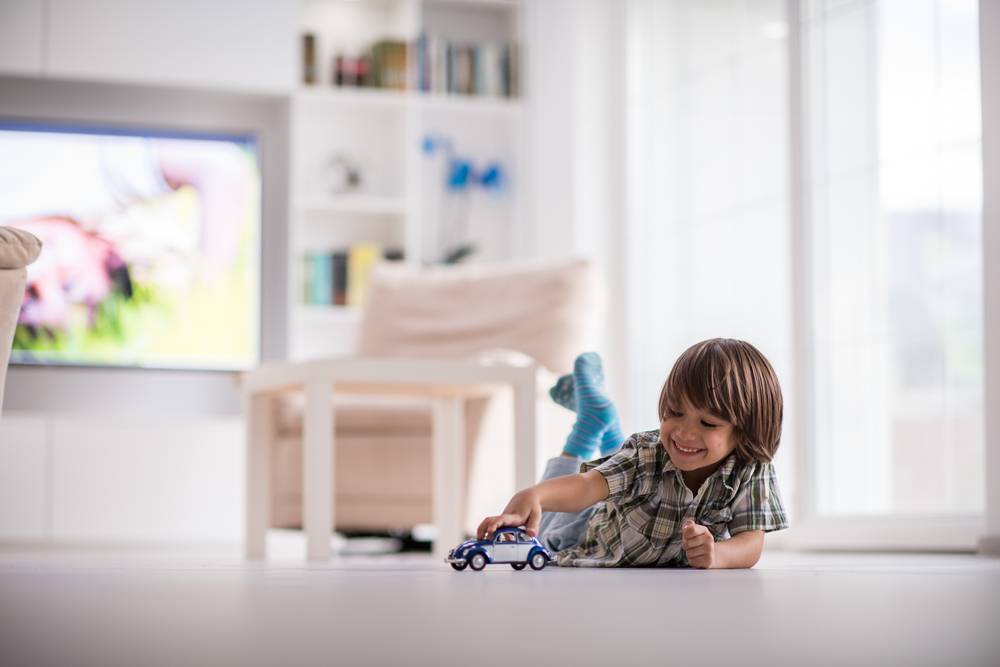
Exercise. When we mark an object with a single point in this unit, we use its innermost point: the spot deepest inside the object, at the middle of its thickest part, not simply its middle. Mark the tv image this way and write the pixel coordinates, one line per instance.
(150, 254)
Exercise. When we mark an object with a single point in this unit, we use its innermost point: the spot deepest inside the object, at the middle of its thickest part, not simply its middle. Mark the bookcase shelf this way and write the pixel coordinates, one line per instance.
(354, 96)
(402, 142)
(502, 106)
(330, 315)
(346, 96)
(353, 204)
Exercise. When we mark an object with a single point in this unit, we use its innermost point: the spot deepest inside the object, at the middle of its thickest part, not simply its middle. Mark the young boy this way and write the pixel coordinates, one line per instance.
(700, 491)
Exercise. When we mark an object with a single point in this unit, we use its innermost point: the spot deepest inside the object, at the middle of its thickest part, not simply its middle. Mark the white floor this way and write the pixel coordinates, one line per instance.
(89, 607)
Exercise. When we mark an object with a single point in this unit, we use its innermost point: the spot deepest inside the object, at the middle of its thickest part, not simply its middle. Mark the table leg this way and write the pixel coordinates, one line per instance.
(448, 473)
(317, 468)
(525, 463)
(257, 419)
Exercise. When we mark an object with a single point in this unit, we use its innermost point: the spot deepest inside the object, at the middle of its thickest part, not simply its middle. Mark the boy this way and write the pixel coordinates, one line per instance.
(700, 491)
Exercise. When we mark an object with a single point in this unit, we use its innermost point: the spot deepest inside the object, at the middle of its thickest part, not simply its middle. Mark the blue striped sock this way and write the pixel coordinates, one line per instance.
(594, 410)
(563, 393)
(612, 438)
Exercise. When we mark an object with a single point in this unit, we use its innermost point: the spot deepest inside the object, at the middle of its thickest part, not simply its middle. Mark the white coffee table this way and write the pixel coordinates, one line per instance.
(446, 382)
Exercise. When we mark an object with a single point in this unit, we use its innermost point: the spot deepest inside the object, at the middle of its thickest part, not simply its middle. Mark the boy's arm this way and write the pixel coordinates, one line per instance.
(740, 551)
(568, 493)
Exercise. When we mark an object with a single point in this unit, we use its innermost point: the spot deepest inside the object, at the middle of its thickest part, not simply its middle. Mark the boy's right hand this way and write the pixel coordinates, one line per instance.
(524, 509)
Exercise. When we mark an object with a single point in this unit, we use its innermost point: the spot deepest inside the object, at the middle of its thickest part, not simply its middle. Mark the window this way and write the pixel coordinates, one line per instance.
(894, 205)
(807, 176)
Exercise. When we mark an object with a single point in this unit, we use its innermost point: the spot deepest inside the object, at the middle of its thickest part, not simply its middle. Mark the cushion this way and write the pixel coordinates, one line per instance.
(544, 309)
(18, 248)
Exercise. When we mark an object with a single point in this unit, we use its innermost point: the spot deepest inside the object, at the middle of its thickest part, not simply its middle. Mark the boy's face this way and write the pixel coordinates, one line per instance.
(695, 439)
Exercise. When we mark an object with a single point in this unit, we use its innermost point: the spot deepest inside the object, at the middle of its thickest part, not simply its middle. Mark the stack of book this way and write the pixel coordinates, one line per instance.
(430, 65)
(389, 64)
(441, 66)
(340, 277)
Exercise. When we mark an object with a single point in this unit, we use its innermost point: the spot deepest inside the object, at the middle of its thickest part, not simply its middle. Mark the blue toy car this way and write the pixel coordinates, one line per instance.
(508, 545)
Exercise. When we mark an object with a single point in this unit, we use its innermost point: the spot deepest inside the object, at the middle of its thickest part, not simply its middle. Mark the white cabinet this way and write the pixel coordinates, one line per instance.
(21, 37)
(146, 480)
(24, 479)
(238, 45)
(85, 478)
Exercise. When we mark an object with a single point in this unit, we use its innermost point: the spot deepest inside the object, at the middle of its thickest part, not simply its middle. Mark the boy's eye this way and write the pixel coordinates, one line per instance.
(708, 424)
(674, 413)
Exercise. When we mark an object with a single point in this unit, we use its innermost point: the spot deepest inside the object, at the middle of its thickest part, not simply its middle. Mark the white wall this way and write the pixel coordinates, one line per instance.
(575, 150)
(245, 45)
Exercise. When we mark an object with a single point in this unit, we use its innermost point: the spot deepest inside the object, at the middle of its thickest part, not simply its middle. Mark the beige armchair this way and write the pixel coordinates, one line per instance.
(382, 467)
(18, 249)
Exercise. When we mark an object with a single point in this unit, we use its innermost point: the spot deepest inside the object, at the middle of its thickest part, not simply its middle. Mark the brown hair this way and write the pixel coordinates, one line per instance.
(732, 380)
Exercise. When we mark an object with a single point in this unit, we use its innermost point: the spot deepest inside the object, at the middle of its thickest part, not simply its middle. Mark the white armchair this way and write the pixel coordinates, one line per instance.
(543, 311)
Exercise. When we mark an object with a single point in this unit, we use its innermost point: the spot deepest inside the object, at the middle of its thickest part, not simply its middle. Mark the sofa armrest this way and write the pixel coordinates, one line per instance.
(18, 248)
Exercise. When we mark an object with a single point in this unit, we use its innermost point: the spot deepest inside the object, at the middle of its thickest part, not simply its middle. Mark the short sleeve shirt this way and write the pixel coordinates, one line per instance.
(639, 524)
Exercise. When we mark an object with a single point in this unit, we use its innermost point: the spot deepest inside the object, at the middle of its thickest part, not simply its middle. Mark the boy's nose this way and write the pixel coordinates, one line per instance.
(683, 435)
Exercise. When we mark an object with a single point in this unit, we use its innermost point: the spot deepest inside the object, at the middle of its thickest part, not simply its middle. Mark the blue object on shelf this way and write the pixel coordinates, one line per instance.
(492, 177)
(459, 174)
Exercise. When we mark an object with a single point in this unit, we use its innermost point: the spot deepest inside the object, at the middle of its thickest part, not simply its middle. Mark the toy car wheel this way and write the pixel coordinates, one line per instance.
(459, 566)
(538, 561)
(518, 566)
(477, 562)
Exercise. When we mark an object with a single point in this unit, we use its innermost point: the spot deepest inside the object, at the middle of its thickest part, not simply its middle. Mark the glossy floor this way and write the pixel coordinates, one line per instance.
(89, 607)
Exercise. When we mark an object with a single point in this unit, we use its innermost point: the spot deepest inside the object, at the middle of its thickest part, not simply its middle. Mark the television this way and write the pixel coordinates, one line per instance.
(151, 251)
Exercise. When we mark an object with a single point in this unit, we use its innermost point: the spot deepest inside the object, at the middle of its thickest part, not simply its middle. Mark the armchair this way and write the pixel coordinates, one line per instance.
(383, 451)
(18, 249)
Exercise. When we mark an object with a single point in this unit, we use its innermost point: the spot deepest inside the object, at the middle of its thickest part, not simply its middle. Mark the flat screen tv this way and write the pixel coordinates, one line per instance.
(150, 251)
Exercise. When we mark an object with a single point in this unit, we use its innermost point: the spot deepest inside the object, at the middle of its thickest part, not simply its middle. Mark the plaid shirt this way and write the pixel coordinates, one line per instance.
(640, 522)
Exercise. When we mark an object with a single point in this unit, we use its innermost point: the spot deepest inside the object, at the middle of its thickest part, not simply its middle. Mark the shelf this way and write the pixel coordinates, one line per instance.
(469, 103)
(348, 96)
(328, 314)
(353, 204)
(466, 4)
(403, 99)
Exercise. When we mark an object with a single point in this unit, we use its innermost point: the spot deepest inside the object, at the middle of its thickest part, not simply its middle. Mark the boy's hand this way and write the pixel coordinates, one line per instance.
(699, 545)
(524, 509)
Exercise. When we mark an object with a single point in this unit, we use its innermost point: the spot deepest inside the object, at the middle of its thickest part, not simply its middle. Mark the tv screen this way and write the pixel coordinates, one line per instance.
(150, 251)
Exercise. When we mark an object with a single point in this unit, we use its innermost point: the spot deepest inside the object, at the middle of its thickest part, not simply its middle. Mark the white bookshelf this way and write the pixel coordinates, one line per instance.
(402, 198)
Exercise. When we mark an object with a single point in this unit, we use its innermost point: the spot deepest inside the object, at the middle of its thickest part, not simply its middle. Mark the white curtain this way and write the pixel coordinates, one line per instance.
(707, 191)
(890, 259)
(891, 95)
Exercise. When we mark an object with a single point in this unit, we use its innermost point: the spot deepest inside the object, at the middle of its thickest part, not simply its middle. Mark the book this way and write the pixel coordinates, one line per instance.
(389, 64)
(307, 278)
(339, 277)
(309, 75)
(321, 280)
(441, 66)
(360, 259)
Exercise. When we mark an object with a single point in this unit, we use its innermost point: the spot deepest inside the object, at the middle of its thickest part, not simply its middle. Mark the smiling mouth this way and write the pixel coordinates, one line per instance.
(686, 450)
